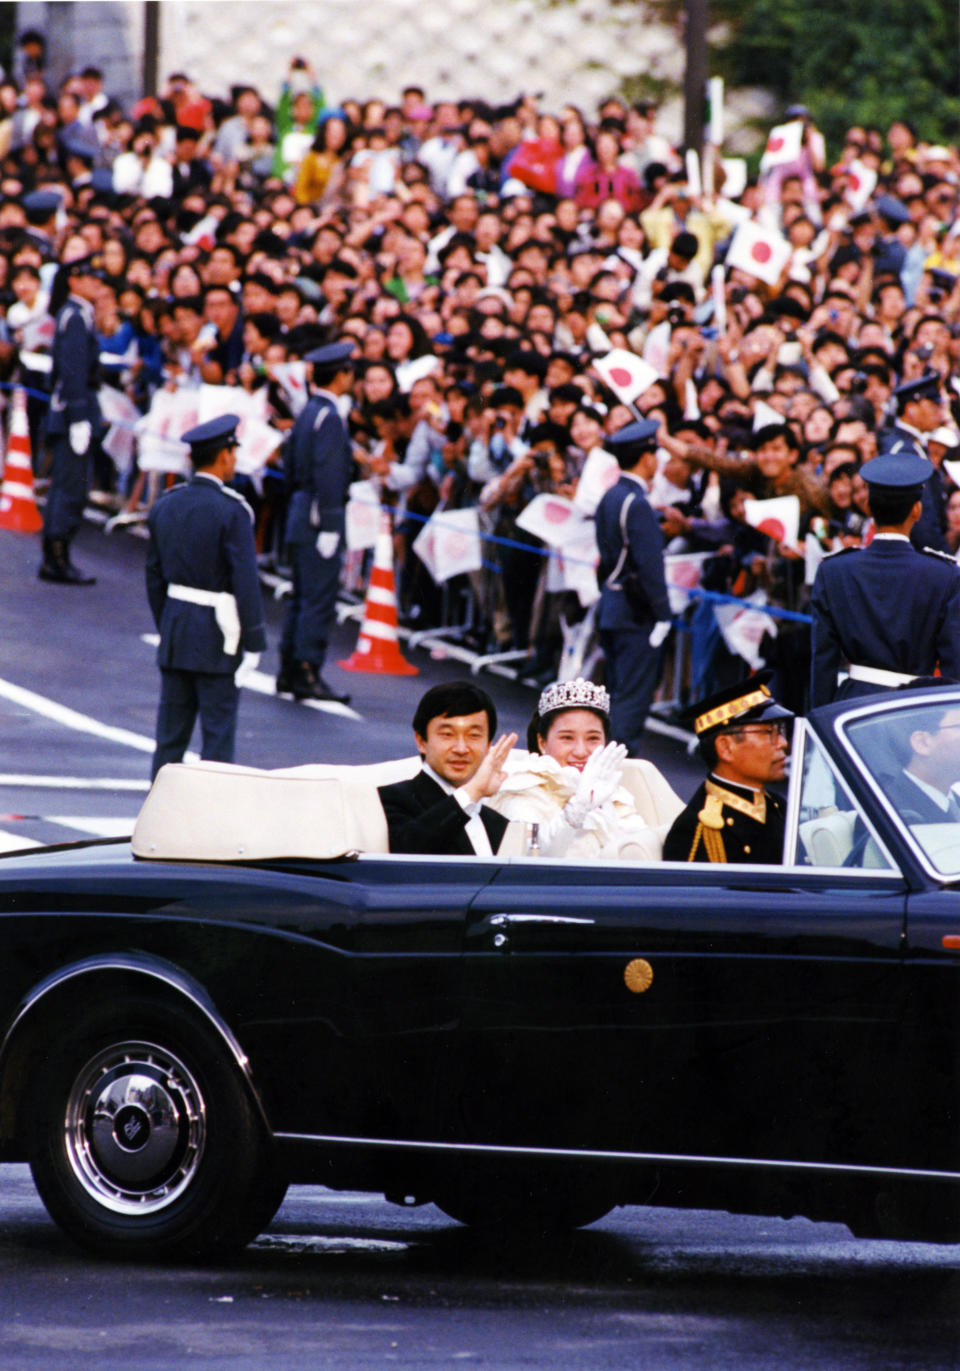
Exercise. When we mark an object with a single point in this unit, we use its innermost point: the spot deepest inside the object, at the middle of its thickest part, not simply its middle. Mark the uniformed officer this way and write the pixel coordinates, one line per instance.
(74, 418)
(920, 410)
(733, 817)
(885, 613)
(40, 208)
(204, 592)
(317, 467)
(634, 615)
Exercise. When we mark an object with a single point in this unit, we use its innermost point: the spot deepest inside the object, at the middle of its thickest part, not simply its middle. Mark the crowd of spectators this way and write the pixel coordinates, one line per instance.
(482, 258)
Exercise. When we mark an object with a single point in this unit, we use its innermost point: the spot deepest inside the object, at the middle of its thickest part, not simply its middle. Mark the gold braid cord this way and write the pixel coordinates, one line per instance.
(712, 844)
(710, 829)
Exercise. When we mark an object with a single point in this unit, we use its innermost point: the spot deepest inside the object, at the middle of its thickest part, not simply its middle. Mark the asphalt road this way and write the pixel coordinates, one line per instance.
(347, 1281)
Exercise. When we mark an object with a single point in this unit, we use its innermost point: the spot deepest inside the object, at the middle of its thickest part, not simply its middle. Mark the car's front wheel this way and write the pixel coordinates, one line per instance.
(143, 1138)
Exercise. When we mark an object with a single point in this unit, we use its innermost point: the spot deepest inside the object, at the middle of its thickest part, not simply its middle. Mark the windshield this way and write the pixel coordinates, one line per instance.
(913, 755)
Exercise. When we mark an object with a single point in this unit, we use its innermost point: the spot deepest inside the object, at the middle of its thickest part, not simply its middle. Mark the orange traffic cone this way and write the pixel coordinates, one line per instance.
(18, 508)
(378, 647)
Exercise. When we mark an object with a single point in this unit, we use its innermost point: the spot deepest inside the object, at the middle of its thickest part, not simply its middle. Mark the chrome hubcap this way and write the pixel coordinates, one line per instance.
(135, 1128)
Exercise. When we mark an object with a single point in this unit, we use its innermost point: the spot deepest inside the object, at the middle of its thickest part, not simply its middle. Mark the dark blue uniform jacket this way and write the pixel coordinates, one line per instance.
(317, 465)
(645, 556)
(885, 606)
(76, 359)
(202, 536)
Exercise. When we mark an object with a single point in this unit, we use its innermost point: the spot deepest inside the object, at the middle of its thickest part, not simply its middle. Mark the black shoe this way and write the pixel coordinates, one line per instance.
(57, 566)
(322, 691)
(302, 681)
(75, 577)
(307, 685)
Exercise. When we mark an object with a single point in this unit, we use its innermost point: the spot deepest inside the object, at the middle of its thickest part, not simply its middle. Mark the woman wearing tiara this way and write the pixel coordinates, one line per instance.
(570, 783)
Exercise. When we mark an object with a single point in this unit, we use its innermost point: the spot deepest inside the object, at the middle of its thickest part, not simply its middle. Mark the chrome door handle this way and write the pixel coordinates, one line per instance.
(505, 920)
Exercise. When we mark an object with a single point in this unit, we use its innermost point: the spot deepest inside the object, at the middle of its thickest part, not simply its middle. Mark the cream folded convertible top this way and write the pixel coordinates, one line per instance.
(216, 812)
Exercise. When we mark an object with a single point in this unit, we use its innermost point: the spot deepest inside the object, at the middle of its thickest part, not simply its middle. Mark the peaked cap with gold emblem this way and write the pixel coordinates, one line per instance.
(747, 702)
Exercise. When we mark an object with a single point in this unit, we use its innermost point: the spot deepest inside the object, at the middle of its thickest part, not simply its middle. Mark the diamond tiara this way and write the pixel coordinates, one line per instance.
(578, 694)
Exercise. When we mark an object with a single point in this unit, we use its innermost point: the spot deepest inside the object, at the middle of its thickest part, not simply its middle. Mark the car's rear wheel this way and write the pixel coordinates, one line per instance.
(143, 1138)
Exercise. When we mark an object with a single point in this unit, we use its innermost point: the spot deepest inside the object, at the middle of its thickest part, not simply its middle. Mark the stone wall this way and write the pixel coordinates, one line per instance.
(572, 50)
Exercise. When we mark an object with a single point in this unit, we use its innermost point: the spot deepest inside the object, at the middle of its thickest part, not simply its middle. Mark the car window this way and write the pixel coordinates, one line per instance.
(913, 756)
(832, 831)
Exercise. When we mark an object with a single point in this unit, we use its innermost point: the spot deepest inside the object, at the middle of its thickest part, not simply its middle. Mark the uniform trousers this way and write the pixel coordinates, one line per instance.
(633, 670)
(183, 695)
(313, 604)
(67, 497)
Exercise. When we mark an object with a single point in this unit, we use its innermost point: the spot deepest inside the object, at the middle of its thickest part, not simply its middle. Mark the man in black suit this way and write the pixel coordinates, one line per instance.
(440, 810)
(923, 791)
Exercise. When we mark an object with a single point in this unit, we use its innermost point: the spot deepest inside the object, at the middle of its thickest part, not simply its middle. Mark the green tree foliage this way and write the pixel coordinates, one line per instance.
(852, 62)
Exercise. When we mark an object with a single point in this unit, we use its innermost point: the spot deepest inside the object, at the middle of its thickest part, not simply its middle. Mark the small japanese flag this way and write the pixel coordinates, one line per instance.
(744, 628)
(456, 546)
(761, 252)
(627, 375)
(861, 183)
(549, 517)
(682, 571)
(778, 518)
(764, 414)
(449, 544)
(783, 145)
(362, 515)
(600, 472)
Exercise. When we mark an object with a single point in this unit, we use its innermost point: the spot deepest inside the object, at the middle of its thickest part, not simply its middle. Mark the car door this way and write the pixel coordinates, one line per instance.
(689, 1010)
(354, 1012)
(928, 1047)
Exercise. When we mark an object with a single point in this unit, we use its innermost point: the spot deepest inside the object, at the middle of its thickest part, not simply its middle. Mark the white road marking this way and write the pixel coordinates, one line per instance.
(80, 723)
(70, 782)
(104, 827)
(11, 842)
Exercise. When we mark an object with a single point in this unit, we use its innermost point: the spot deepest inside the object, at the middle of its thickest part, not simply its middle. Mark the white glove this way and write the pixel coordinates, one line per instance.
(80, 434)
(598, 781)
(327, 543)
(249, 664)
(660, 631)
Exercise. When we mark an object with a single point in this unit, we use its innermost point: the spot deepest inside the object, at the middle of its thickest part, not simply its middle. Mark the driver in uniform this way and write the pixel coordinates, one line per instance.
(733, 817)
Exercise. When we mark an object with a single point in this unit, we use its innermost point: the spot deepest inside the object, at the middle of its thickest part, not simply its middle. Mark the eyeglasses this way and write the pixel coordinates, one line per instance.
(769, 731)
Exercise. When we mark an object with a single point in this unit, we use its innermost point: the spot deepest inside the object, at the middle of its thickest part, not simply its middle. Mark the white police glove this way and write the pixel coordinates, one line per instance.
(598, 781)
(80, 434)
(660, 631)
(249, 664)
(327, 543)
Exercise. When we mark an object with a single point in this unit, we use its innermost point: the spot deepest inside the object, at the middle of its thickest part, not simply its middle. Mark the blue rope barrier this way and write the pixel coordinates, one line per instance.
(715, 597)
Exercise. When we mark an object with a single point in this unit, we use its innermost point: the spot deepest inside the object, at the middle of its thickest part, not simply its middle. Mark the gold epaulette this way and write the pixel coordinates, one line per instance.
(710, 831)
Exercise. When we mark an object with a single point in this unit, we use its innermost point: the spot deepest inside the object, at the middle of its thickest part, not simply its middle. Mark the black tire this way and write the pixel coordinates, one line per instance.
(144, 1142)
(530, 1206)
